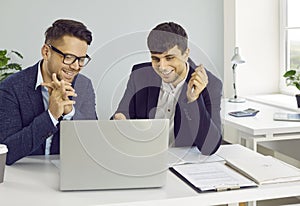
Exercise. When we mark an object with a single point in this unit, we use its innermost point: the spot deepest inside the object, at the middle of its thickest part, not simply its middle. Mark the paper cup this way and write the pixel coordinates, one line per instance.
(3, 152)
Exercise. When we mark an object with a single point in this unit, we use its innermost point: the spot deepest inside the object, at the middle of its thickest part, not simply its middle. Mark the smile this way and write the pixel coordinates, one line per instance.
(68, 72)
(166, 72)
(68, 75)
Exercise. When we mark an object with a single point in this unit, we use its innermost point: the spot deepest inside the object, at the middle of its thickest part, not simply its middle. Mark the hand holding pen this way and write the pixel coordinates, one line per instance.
(197, 83)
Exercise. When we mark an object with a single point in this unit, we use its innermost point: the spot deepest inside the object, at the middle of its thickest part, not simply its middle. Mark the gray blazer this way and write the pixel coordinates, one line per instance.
(197, 123)
(24, 123)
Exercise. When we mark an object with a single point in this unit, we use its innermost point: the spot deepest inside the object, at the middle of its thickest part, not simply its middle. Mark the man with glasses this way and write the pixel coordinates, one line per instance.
(34, 101)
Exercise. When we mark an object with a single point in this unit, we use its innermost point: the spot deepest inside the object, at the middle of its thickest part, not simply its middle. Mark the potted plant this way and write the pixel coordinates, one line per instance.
(6, 66)
(293, 79)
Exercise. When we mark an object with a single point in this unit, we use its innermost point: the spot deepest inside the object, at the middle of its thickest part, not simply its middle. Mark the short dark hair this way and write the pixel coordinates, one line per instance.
(64, 27)
(165, 36)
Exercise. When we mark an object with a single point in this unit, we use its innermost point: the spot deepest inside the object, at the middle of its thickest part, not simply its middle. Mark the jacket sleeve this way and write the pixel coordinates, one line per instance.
(210, 132)
(199, 123)
(127, 104)
(21, 138)
(140, 98)
(85, 107)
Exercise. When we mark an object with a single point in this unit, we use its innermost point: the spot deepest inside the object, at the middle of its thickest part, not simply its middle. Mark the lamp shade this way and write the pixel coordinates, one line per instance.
(237, 59)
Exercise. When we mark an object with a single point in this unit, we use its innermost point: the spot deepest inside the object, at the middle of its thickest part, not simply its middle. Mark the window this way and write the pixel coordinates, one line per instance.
(290, 40)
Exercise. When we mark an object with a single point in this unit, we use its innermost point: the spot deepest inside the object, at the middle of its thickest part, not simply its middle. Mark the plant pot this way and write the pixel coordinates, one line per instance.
(298, 99)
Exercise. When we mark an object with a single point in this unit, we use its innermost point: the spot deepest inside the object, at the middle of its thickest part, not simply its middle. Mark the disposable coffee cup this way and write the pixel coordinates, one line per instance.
(3, 152)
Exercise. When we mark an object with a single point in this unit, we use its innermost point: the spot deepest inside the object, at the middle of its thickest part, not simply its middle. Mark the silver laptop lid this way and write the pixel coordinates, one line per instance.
(113, 154)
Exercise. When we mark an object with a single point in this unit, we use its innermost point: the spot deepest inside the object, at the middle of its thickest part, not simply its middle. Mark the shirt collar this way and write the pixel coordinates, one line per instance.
(39, 79)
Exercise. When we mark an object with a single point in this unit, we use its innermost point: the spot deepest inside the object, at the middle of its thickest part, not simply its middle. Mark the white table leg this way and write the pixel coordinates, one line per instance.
(253, 203)
(233, 204)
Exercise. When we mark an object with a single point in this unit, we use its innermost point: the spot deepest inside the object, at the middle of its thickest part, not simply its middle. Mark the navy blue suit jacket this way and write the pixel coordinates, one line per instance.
(197, 123)
(24, 123)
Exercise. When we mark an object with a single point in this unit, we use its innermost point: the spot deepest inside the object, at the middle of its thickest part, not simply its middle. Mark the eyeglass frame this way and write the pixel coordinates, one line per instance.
(76, 57)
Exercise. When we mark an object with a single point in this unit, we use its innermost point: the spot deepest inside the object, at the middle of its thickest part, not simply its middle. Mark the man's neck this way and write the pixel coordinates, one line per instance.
(44, 72)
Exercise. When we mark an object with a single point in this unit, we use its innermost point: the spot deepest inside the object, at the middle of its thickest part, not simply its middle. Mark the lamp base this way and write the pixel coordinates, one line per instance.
(237, 100)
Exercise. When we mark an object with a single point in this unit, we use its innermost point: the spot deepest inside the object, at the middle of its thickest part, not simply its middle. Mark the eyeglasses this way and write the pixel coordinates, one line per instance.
(71, 58)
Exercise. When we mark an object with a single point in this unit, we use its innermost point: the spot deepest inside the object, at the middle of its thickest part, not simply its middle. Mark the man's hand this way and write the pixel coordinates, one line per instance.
(197, 83)
(57, 105)
(59, 92)
(119, 116)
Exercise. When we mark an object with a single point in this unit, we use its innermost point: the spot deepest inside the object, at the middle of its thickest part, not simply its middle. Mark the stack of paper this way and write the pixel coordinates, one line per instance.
(261, 169)
(265, 170)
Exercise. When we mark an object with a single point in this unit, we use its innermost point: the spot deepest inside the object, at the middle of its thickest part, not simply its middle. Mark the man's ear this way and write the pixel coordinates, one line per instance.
(45, 50)
(186, 54)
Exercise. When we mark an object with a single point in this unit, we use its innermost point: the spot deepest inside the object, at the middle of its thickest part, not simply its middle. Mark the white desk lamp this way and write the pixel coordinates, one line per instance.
(235, 60)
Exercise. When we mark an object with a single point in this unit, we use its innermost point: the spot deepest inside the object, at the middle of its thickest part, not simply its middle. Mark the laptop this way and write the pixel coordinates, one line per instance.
(113, 154)
(286, 117)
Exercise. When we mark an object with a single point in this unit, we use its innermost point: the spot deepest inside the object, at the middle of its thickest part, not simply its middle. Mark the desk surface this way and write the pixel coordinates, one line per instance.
(35, 180)
(262, 123)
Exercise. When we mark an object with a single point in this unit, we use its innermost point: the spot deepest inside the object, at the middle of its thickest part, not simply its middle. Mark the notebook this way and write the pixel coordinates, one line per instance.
(257, 167)
(113, 154)
(286, 117)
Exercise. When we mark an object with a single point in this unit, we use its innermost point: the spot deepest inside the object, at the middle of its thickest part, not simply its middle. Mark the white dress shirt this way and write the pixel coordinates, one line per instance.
(45, 95)
(166, 105)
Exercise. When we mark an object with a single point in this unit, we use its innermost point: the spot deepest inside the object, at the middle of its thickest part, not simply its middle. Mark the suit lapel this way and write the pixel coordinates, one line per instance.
(182, 98)
(153, 93)
(35, 95)
(36, 100)
(192, 66)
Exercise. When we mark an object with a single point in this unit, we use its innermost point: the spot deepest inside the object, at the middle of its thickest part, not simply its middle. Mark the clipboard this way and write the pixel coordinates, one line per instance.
(211, 177)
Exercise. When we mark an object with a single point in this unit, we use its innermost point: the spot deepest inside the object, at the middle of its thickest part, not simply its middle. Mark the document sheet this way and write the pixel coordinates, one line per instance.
(210, 176)
(184, 155)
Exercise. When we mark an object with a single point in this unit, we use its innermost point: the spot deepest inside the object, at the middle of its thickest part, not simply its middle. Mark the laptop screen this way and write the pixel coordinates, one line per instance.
(113, 154)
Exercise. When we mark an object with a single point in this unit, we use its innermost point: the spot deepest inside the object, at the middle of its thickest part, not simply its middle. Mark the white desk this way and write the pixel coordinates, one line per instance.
(35, 180)
(261, 127)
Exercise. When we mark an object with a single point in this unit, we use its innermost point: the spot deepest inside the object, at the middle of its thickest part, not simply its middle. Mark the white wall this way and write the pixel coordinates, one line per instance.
(119, 28)
(253, 26)
(256, 32)
(229, 44)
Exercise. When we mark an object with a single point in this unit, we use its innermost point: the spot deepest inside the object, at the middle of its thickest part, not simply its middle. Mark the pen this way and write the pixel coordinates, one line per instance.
(193, 88)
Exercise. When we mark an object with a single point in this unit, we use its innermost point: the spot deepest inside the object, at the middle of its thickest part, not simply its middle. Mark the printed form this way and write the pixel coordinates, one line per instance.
(211, 176)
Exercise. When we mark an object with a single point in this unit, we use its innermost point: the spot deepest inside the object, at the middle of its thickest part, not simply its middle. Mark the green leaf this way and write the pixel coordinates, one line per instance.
(5, 75)
(3, 61)
(3, 53)
(14, 66)
(3, 58)
(291, 78)
(298, 86)
(289, 73)
(6, 66)
(17, 53)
